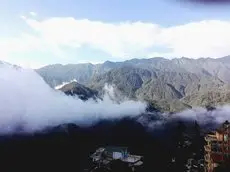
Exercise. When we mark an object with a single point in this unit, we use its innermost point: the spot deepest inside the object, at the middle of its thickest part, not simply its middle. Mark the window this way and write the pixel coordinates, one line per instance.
(225, 137)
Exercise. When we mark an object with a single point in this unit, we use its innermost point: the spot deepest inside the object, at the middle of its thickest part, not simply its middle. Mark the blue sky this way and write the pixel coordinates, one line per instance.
(40, 32)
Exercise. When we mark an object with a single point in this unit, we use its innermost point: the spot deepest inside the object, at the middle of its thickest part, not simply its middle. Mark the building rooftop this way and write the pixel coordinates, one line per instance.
(136, 160)
(116, 149)
(225, 125)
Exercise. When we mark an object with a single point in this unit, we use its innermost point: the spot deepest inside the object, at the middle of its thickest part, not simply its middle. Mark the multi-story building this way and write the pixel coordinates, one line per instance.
(217, 148)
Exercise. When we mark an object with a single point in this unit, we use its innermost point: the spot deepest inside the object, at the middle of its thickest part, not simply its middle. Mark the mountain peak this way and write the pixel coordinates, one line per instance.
(58, 87)
(74, 88)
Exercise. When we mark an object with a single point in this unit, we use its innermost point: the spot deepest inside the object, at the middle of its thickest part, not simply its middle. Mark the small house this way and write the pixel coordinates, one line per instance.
(116, 152)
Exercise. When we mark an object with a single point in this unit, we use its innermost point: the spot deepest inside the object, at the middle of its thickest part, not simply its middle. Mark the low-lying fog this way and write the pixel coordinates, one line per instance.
(27, 101)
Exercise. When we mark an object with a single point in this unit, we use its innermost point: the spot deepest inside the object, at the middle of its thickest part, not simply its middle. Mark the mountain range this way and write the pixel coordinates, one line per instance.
(170, 85)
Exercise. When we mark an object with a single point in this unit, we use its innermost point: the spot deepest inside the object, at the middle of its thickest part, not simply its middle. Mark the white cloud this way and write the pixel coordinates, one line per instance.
(29, 64)
(33, 105)
(119, 40)
(204, 38)
(200, 39)
(209, 38)
(33, 13)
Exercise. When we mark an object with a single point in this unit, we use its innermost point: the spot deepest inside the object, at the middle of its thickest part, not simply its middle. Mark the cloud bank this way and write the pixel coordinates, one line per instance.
(196, 39)
(27, 101)
(206, 119)
(124, 40)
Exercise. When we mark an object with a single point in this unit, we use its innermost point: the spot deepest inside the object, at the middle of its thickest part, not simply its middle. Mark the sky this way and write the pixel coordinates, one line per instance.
(41, 32)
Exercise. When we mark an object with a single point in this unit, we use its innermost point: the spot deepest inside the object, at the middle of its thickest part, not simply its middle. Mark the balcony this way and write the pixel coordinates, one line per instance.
(210, 137)
(207, 148)
(207, 158)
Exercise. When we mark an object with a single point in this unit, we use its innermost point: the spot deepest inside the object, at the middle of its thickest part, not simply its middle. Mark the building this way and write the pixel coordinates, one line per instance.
(116, 152)
(217, 148)
(105, 155)
(193, 165)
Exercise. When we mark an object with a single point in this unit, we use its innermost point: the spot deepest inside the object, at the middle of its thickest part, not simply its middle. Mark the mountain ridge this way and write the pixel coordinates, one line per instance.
(75, 89)
(180, 81)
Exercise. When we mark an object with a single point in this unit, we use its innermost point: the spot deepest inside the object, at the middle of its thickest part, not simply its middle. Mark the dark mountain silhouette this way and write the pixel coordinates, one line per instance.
(68, 147)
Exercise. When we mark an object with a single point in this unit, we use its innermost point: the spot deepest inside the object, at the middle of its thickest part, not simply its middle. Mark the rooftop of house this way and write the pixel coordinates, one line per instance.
(116, 149)
(133, 160)
(225, 125)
